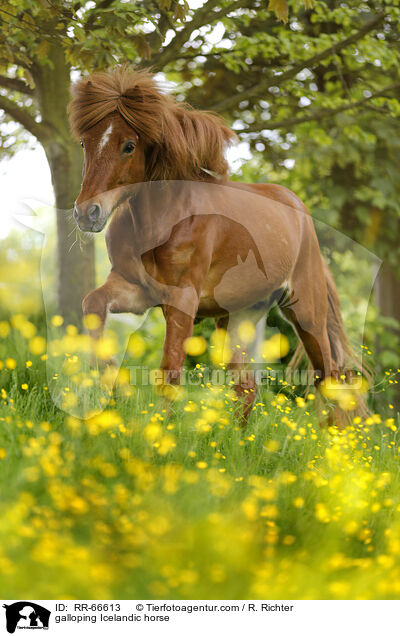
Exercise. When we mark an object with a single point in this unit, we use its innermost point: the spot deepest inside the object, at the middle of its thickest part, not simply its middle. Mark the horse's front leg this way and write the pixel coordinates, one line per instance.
(117, 295)
(179, 326)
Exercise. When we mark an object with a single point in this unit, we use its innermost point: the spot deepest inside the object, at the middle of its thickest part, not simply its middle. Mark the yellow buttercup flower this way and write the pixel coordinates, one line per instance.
(105, 348)
(195, 346)
(37, 345)
(275, 348)
(220, 351)
(91, 321)
(11, 363)
(4, 329)
(136, 346)
(57, 321)
(246, 331)
(166, 444)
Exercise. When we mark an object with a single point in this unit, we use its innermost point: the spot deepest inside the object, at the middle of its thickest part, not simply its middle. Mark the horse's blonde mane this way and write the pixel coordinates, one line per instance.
(179, 141)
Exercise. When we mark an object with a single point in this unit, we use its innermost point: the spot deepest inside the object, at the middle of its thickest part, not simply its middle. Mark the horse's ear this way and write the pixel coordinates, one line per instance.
(134, 94)
(89, 84)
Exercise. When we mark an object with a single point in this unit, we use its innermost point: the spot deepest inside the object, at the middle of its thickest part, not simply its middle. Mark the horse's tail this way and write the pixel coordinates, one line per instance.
(341, 351)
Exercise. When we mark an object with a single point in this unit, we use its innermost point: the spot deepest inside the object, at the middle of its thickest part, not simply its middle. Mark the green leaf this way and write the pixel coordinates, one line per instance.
(280, 8)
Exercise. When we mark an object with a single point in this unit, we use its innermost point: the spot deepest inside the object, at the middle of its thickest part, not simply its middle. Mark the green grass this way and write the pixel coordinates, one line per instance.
(154, 501)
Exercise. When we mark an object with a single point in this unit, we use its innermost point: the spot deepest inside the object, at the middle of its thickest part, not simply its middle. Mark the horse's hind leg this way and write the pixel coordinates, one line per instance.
(242, 375)
(315, 340)
(314, 336)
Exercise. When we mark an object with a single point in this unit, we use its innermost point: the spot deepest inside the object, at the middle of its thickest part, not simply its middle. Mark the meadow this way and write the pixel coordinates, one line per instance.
(149, 499)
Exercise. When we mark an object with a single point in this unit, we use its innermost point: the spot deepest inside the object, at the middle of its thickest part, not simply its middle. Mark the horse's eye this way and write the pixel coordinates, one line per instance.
(128, 147)
(82, 144)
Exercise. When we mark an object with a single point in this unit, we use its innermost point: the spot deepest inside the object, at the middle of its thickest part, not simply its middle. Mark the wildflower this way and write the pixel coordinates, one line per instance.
(195, 346)
(202, 426)
(166, 444)
(275, 348)
(4, 329)
(321, 513)
(136, 346)
(37, 345)
(339, 589)
(152, 432)
(106, 420)
(27, 329)
(109, 376)
(78, 505)
(220, 351)
(289, 539)
(351, 527)
(57, 320)
(172, 392)
(11, 363)
(268, 493)
(190, 407)
(69, 401)
(270, 511)
(105, 347)
(246, 331)
(250, 509)
(272, 446)
(287, 478)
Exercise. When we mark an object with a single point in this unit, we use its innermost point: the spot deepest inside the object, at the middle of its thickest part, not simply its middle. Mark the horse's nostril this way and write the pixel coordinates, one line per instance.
(75, 212)
(94, 212)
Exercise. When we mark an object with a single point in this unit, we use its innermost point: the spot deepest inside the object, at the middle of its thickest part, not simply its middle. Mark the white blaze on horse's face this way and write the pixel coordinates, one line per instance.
(105, 138)
(113, 159)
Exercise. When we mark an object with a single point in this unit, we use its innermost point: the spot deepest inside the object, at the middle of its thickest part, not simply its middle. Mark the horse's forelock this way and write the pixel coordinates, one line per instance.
(182, 140)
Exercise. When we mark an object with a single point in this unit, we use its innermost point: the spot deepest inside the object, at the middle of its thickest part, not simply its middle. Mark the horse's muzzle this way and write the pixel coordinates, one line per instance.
(89, 218)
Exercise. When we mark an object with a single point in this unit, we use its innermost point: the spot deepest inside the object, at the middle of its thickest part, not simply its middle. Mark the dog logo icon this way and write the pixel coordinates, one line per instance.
(26, 615)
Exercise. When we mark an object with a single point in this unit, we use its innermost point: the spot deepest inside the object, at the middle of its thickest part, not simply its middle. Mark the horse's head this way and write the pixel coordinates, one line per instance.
(132, 132)
(113, 159)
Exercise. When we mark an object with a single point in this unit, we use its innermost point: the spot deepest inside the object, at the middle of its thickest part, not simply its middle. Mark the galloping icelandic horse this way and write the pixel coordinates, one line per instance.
(184, 237)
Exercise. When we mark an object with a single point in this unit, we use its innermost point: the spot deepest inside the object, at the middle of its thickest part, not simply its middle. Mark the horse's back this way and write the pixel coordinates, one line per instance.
(273, 191)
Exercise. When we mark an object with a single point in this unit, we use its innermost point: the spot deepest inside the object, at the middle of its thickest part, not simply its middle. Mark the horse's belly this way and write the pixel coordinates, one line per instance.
(240, 286)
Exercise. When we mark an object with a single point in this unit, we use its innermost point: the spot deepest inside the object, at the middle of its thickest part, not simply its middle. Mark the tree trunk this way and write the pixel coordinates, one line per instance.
(75, 255)
(387, 292)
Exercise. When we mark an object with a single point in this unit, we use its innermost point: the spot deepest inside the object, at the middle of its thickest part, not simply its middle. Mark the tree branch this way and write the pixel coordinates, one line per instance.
(318, 115)
(277, 80)
(15, 84)
(23, 117)
(203, 16)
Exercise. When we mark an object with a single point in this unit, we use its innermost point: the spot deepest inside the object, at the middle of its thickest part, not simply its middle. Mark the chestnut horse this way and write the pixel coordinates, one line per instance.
(183, 237)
